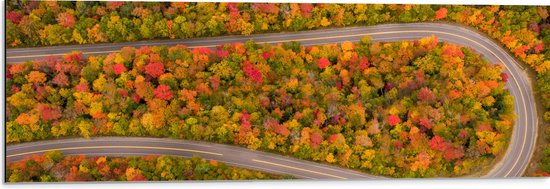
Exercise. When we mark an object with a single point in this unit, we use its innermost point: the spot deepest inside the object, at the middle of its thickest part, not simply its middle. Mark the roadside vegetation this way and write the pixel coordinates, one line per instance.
(53, 166)
(404, 109)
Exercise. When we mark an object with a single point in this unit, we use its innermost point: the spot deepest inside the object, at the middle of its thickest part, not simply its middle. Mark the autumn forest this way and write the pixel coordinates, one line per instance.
(419, 108)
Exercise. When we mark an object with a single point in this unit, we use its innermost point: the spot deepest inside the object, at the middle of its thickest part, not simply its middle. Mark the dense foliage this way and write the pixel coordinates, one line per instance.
(54, 167)
(524, 30)
(405, 109)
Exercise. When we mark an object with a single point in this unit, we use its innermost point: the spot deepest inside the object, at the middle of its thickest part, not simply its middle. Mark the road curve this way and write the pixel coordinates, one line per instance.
(513, 164)
(232, 155)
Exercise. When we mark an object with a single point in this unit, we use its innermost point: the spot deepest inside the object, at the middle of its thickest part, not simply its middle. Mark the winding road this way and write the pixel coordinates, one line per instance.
(513, 164)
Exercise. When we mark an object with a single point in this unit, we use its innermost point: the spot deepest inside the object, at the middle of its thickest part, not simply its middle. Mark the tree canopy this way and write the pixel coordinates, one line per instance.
(53, 166)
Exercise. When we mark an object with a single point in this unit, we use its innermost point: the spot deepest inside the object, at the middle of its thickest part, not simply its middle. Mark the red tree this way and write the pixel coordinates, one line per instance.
(119, 68)
(48, 113)
(331, 138)
(222, 53)
(393, 120)
(453, 50)
(154, 69)
(245, 121)
(252, 72)
(323, 62)
(266, 8)
(339, 85)
(66, 19)
(437, 143)
(215, 82)
(363, 64)
(8, 72)
(306, 8)
(113, 5)
(14, 17)
(136, 98)
(441, 13)
(123, 93)
(202, 50)
(316, 139)
(539, 48)
(275, 126)
(233, 7)
(268, 55)
(61, 79)
(453, 153)
(281, 129)
(82, 87)
(74, 57)
(163, 92)
(425, 122)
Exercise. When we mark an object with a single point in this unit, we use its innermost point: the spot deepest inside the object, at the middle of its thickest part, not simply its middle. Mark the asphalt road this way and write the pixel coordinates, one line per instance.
(513, 164)
(232, 155)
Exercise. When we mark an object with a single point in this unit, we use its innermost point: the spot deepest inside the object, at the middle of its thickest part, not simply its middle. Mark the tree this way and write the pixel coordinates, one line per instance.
(245, 121)
(85, 128)
(119, 68)
(76, 175)
(95, 35)
(437, 143)
(270, 8)
(30, 27)
(61, 79)
(163, 92)
(422, 163)
(13, 34)
(14, 17)
(252, 72)
(393, 120)
(154, 69)
(323, 63)
(316, 139)
(55, 35)
(48, 113)
(539, 48)
(134, 175)
(441, 13)
(36, 77)
(306, 9)
(452, 153)
(347, 46)
(82, 87)
(426, 95)
(66, 19)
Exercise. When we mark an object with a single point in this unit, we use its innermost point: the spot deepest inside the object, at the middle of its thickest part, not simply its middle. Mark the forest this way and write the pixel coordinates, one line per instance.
(523, 30)
(53, 166)
(405, 109)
